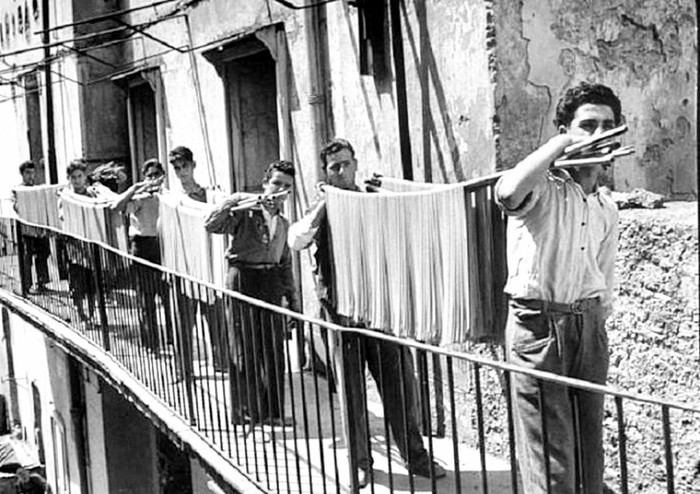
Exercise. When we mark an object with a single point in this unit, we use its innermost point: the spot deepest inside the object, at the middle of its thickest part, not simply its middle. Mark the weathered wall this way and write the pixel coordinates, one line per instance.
(202, 127)
(449, 92)
(646, 51)
(13, 130)
(89, 120)
(48, 371)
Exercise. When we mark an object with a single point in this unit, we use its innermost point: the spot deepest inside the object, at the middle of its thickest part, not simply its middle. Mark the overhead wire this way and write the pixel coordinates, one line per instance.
(104, 17)
(292, 6)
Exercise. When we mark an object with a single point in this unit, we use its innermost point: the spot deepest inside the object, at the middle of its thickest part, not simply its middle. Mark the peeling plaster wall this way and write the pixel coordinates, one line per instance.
(48, 370)
(521, 106)
(212, 22)
(646, 51)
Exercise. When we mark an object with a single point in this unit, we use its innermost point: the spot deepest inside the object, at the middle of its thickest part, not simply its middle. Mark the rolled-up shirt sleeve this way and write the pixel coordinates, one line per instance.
(526, 205)
(301, 234)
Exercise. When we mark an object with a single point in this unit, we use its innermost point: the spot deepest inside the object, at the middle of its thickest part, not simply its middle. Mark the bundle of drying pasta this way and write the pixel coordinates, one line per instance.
(38, 204)
(399, 260)
(186, 246)
(93, 219)
(420, 260)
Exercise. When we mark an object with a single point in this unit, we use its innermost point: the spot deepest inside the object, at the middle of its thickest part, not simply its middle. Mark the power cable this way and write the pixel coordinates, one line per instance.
(290, 5)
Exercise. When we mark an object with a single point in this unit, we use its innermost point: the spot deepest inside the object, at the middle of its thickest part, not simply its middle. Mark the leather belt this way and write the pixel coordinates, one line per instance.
(577, 307)
(256, 266)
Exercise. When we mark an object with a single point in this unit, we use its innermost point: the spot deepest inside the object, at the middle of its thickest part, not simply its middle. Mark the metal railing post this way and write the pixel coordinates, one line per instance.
(99, 282)
(21, 261)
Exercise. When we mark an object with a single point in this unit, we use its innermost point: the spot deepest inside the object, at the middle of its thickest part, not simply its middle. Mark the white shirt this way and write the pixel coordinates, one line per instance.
(562, 244)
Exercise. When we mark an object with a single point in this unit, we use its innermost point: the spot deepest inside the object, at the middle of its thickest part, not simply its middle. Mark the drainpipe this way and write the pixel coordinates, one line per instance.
(48, 84)
(401, 99)
(321, 118)
(318, 67)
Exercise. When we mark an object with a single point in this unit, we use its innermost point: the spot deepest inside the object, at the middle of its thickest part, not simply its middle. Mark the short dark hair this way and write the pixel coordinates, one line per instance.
(283, 166)
(333, 146)
(76, 164)
(152, 163)
(181, 152)
(29, 164)
(586, 92)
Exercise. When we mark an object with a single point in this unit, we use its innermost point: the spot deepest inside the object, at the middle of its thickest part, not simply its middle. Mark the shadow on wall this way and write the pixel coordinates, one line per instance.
(368, 107)
(424, 60)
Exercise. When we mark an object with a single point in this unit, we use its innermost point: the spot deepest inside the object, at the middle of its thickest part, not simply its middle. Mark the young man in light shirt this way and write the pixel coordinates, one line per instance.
(37, 249)
(140, 202)
(562, 243)
(390, 364)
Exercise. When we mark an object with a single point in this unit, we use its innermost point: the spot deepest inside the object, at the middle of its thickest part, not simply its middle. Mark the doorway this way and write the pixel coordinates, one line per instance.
(251, 101)
(143, 124)
(34, 129)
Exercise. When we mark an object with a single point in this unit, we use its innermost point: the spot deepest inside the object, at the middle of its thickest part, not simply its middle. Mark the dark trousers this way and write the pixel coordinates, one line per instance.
(36, 254)
(572, 345)
(82, 287)
(213, 313)
(391, 366)
(150, 283)
(256, 339)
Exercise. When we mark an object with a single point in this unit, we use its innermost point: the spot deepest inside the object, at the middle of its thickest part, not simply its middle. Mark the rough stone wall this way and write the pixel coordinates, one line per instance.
(646, 51)
(655, 342)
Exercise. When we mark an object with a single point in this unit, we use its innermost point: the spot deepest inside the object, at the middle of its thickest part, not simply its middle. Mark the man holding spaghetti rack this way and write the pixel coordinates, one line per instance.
(390, 364)
(260, 266)
(562, 243)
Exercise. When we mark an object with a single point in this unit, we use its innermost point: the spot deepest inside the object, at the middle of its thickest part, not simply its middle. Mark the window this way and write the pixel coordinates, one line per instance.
(373, 38)
(60, 455)
(27, 24)
(38, 430)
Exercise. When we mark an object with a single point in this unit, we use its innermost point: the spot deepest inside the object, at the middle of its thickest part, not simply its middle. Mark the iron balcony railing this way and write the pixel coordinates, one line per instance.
(182, 339)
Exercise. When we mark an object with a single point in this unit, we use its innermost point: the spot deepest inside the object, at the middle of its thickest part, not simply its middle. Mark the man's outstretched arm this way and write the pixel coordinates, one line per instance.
(517, 183)
(301, 234)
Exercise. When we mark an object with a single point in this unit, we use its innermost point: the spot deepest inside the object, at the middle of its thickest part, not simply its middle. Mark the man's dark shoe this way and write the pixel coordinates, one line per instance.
(363, 475)
(422, 469)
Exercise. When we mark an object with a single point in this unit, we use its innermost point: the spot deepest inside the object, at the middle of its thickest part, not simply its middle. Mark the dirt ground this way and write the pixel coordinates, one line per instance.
(654, 340)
